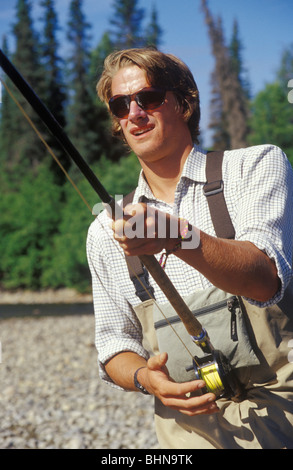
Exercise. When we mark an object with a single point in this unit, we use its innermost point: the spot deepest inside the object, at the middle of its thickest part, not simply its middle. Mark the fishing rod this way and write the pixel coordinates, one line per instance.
(213, 368)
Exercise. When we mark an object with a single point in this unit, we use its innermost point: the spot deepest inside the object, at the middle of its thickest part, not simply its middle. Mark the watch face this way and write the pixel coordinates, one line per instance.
(142, 389)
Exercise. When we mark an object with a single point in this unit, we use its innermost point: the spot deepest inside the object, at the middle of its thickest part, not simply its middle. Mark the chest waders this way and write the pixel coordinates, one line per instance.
(254, 345)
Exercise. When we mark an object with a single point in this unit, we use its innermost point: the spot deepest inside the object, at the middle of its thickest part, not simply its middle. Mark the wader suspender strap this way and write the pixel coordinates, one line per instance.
(214, 192)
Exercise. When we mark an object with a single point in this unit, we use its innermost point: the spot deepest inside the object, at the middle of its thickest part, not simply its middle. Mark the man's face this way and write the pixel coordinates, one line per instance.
(154, 134)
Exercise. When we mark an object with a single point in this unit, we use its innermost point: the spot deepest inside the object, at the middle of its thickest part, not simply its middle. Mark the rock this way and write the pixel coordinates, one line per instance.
(51, 395)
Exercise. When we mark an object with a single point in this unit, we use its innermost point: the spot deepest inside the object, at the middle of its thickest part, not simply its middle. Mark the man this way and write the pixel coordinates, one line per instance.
(154, 103)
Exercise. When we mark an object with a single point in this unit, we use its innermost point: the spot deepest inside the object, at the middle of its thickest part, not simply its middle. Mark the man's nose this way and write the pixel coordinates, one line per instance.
(135, 111)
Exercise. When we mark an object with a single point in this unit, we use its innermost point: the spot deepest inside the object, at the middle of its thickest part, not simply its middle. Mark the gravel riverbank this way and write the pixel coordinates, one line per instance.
(51, 396)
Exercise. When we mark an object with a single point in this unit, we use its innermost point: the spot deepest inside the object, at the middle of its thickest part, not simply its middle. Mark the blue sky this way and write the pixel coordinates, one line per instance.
(265, 30)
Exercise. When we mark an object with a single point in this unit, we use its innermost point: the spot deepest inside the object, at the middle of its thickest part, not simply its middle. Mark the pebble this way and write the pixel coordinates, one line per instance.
(51, 396)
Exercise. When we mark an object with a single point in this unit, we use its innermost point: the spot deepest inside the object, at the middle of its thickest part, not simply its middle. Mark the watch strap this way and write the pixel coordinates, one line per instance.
(137, 384)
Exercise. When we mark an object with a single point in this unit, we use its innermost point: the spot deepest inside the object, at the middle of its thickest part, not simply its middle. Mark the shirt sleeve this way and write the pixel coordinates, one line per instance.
(117, 328)
(264, 211)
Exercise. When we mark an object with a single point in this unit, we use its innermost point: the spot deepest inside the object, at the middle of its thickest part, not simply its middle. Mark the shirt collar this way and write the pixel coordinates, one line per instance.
(194, 170)
(195, 166)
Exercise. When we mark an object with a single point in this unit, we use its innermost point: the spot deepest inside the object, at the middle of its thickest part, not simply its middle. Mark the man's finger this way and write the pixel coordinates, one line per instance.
(158, 361)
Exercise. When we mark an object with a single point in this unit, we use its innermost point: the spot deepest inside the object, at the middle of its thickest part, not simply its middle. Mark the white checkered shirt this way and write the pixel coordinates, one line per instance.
(258, 185)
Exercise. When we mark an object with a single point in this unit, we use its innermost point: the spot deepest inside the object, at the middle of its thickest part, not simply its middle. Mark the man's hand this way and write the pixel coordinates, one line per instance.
(145, 230)
(178, 396)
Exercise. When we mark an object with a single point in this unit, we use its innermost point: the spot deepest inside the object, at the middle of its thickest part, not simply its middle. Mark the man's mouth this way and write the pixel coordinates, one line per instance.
(141, 131)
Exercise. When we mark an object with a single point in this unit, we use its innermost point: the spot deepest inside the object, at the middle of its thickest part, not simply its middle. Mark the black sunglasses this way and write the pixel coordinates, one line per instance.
(147, 99)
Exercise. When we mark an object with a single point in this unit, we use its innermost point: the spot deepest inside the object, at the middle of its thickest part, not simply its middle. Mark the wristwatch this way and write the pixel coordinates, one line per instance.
(137, 384)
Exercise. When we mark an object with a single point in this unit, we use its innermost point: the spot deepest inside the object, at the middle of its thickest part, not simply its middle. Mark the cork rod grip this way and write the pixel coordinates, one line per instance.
(192, 325)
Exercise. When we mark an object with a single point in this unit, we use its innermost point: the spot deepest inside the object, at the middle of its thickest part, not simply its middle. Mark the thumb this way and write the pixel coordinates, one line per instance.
(158, 362)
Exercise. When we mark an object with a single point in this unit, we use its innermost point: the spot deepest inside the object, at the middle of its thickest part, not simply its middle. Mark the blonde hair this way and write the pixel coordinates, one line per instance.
(162, 70)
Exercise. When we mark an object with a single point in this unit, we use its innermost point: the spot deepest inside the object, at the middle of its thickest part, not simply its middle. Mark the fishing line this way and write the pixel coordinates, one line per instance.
(210, 374)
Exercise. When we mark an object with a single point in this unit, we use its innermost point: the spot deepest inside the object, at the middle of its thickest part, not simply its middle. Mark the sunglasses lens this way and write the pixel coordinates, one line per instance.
(150, 98)
(120, 106)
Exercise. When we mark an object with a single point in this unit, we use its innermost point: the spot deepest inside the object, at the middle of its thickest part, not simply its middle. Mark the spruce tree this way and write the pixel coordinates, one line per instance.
(27, 152)
(109, 146)
(54, 93)
(98, 55)
(234, 105)
(127, 24)
(54, 85)
(218, 120)
(153, 35)
(285, 72)
(82, 123)
(235, 51)
(7, 121)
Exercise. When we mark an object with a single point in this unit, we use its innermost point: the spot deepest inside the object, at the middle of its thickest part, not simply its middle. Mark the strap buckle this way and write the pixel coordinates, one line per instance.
(215, 187)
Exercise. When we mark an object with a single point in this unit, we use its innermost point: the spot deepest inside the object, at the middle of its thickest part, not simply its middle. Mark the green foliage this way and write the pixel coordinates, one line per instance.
(272, 119)
(272, 114)
(68, 265)
(121, 178)
(29, 220)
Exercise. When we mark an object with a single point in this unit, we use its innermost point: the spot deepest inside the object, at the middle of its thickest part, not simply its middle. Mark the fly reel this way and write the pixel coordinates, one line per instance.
(215, 370)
